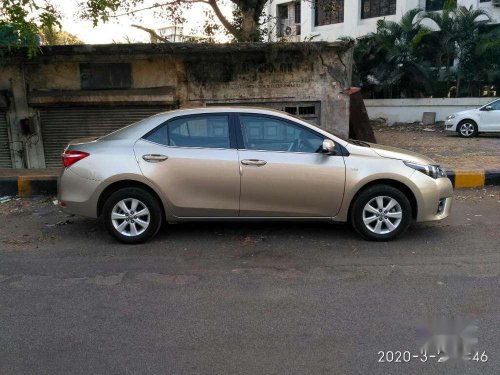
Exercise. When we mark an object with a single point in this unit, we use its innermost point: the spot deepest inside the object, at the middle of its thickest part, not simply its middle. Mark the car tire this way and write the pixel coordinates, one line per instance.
(389, 223)
(132, 215)
(467, 129)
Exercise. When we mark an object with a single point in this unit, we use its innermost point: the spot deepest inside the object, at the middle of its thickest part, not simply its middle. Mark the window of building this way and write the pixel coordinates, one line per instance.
(432, 5)
(283, 11)
(100, 76)
(327, 12)
(288, 19)
(272, 134)
(377, 8)
(211, 131)
(308, 111)
(484, 1)
(297, 12)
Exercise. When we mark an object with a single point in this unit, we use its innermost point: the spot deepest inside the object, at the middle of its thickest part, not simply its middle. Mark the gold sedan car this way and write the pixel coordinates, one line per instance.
(231, 163)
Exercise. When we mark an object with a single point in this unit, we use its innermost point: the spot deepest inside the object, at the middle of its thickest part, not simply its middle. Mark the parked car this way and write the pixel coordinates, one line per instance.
(246, 164)
(471, 122)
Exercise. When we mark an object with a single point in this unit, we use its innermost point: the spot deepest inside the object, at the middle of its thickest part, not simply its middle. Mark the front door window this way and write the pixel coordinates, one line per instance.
(271, 134)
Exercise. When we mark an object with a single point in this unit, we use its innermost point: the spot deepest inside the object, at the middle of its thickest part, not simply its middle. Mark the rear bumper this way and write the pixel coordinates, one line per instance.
(76, 194)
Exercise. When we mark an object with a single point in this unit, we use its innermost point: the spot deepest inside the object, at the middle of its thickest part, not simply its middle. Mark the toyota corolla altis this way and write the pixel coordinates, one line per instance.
(231, 163)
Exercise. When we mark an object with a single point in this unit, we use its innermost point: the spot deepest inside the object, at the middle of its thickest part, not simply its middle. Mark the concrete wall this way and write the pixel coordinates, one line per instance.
(411, 110)
(354, 26)
(178, 75)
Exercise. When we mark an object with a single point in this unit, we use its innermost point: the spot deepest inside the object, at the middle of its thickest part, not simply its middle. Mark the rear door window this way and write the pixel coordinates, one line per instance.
(207, 131)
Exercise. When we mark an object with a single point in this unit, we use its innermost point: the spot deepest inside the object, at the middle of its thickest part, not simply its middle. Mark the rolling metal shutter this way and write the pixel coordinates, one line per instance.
(5, 160)
(63, 124)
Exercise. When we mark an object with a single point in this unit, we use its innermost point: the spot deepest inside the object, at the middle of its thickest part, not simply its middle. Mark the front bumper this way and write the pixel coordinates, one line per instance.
(435, 197)
(450, 125)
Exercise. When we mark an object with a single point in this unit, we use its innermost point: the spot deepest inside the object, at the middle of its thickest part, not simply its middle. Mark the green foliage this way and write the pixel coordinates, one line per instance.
(388, 58)
(51, 36)
(245, 25)
(406, 59)
(20, 21)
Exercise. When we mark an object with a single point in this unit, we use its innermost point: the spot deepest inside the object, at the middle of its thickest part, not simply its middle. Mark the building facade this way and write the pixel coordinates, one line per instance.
(68, 92)
(328, 20)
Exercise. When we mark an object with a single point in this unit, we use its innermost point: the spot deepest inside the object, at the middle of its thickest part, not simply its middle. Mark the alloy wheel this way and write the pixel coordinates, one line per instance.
(130, 217)
(382, 215)
(467, 129)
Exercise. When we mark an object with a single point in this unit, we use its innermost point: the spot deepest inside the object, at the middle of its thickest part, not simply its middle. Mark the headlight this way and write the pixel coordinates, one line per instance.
(450, 117)
(434, 171)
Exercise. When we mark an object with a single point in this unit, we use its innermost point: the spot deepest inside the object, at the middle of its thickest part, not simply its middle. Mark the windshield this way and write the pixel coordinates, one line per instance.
(495, 104)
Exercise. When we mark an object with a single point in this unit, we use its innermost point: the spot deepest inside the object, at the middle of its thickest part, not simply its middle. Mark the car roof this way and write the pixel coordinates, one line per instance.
(210, 109)
(138, 129)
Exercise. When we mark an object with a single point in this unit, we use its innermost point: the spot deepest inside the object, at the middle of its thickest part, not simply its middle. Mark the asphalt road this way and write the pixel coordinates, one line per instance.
(243, 298)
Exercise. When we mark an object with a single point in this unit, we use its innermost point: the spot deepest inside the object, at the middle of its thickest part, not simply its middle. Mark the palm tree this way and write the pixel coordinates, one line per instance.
(468, 22)
(457, 37)
(488, 54)
(391, 52)
(442, 42)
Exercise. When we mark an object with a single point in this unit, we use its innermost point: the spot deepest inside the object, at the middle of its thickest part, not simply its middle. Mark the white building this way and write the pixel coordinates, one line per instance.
(330, 19)
(179, 34)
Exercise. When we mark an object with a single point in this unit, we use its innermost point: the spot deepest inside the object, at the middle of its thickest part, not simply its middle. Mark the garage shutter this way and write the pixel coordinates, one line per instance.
(61, 125)
(5, 161)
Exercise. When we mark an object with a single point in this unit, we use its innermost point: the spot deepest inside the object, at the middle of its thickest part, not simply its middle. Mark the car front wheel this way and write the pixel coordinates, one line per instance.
(132, 215)
(381, 213)
(467, 129)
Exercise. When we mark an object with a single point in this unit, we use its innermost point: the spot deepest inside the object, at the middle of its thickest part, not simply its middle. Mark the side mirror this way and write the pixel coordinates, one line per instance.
(328, 147)
(488, 108)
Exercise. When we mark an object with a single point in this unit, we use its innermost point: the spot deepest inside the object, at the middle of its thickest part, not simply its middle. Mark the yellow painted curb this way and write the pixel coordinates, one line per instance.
(23, 186)
(465, 178)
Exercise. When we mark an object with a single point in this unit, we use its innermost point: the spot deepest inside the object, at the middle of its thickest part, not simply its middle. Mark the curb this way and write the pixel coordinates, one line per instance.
(463, 178)
(25, 186)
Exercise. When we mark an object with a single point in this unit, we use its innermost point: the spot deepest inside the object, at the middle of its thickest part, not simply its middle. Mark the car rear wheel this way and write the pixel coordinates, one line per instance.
(381, 213)
(467, 129)
(132, 215)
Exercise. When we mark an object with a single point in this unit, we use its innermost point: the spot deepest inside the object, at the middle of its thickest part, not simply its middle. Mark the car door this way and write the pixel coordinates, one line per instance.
(194, 162)
(284, 173)
(490, 119)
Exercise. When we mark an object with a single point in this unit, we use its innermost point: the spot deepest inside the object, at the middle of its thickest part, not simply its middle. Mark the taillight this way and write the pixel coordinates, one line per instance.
(72, 156)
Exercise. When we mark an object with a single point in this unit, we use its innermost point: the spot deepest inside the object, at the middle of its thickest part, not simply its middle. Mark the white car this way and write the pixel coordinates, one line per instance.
(469, 123)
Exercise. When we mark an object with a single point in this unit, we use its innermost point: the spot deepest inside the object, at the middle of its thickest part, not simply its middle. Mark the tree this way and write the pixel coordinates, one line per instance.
(244, 27)
(468, 22)
(458, 37)
(50, 36)
(439, 46)
(488, 53)
(388, 57)
(21, 20)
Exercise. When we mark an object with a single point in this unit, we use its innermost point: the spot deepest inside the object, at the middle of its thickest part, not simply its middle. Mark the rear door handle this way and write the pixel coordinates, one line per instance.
(255, 162)
(154, 158)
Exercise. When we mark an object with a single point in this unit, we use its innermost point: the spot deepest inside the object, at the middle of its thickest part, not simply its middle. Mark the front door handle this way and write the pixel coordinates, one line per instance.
(154, 158)
(255, 162)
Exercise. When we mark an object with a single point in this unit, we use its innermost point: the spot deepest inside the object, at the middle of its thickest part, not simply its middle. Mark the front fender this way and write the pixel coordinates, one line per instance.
(364, 170)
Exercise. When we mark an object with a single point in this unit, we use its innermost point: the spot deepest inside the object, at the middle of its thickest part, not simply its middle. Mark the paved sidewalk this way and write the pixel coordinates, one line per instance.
(446, 148)
(469, 162)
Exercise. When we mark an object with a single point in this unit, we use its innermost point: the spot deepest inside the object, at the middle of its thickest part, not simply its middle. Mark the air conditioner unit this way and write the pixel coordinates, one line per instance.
(290, 32)
(495, 3)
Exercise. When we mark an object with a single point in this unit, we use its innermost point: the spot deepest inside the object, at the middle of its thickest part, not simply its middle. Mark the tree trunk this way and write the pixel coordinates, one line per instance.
(359, 123)
(249, 26)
